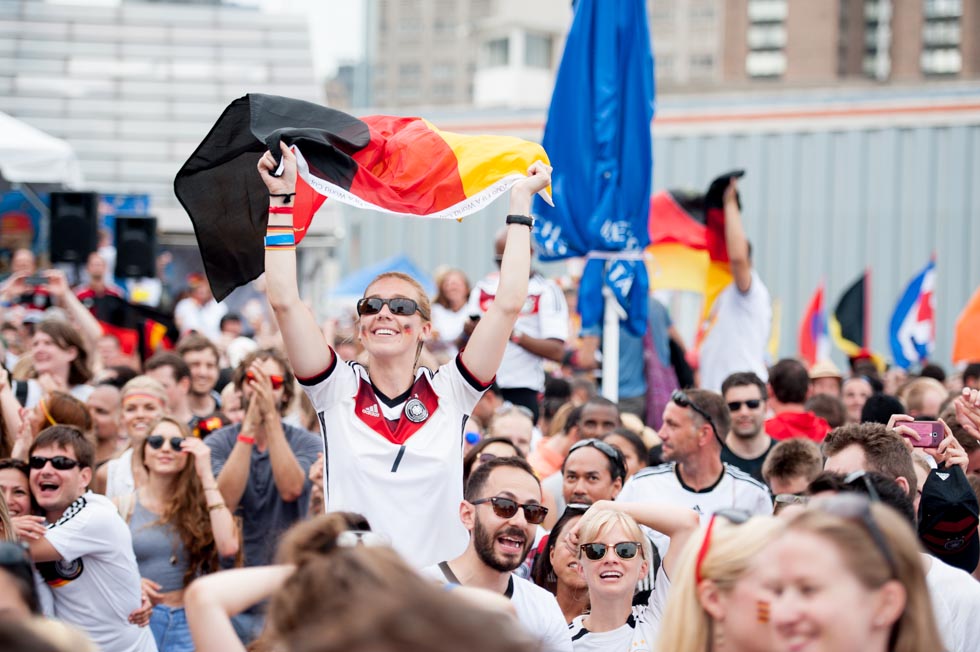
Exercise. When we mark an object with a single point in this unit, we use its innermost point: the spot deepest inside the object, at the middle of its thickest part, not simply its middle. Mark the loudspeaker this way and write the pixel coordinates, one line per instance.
(136, 247)
(73, 226)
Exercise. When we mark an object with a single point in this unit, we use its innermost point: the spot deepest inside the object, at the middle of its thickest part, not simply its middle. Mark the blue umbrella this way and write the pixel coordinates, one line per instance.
(598, 139)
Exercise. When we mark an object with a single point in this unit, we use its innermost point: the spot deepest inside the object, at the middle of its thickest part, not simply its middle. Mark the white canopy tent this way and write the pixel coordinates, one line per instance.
(28, 155)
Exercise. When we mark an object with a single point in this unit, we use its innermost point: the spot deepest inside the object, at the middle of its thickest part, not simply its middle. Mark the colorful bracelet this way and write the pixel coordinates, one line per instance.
(280, 210)
(215, 507)
(280, 238)
(245, 439)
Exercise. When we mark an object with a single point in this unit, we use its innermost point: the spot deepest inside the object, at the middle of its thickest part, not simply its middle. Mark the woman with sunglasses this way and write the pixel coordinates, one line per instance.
(180, 525)
(614, 555)
(144, 400)
(718, 599)
(393, 429)
(849, 579)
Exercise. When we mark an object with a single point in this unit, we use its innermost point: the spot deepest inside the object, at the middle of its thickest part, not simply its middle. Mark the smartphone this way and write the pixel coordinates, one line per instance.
(930, 433)
(36, 280)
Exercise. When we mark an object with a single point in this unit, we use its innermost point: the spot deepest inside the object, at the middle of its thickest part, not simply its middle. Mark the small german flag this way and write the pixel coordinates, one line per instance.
(397, 165)
(138, 328)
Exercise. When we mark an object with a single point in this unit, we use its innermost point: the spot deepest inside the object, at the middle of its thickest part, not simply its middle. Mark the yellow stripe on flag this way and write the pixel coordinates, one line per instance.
(675, 266)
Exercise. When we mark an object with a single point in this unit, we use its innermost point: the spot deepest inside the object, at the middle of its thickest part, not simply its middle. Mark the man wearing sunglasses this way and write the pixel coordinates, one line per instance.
(502, 510)
(85, 553)
(694, 475)
(748, 445)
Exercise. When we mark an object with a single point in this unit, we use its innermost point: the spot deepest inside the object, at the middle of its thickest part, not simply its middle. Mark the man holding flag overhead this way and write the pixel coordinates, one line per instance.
(740, 319)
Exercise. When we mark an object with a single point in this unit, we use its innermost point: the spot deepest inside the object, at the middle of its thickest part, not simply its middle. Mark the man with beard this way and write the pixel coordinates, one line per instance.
(694, 475)
(501, 508)
(748, 443)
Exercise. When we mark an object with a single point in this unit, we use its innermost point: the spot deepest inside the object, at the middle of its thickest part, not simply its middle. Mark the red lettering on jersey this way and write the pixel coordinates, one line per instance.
(367, 410)
(531, 305)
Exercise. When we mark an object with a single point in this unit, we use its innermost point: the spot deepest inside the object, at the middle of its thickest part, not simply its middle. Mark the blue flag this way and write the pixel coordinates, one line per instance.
(598, 138)
(912, 331)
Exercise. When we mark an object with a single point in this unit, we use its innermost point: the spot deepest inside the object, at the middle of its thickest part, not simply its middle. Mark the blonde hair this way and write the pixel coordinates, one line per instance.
(730, 552)
(914, 392)
(915, 629)
(145, 385)
(592, 525)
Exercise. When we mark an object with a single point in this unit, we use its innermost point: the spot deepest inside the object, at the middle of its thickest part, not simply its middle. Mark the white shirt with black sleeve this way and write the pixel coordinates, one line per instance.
(536, 609)
(96, 585)
(399, 460)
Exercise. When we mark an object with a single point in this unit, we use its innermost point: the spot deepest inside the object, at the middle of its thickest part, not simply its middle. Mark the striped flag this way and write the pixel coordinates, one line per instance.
(849, 326)
(814, 337)
(397, 165)
(912, 330)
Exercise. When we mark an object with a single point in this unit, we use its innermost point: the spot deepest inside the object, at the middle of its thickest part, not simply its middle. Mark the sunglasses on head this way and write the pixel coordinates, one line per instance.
(507, 508)
(734, 516)
(752, 404)
(624, 549)
(856, 507)
(276, 380)
(685, 401)
(397, 305)
(351, 538)
(156, 442)
(613, 453)
(59, 462)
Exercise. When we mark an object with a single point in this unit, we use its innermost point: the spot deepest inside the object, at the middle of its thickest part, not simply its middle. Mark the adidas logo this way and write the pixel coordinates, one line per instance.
(371, 411)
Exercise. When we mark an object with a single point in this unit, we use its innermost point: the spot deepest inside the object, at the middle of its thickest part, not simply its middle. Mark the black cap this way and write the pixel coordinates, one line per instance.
(948, 518)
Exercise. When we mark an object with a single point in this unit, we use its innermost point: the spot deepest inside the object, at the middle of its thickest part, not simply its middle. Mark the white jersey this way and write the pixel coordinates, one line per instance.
(640, 632)
(735, 489)
(96, 585)
(739, 334)
(955, 599)
(536, 609)
(544, 316)
(399, 461)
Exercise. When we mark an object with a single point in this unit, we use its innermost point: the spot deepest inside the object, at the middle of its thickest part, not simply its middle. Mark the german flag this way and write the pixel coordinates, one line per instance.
(138, 328)
(849, 328)
(687, 241)
(397, 165)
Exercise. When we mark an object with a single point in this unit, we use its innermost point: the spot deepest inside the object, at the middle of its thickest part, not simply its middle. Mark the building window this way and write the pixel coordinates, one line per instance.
(766, 37)
(702, 64)
(537, 51)
(940, 33)
(943, 9)
(409, 73)
(947, 61)
(765, 64)
(767, 11)
(496, 53)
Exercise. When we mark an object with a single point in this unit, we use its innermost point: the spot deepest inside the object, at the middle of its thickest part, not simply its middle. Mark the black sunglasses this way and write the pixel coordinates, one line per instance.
(684, 401)
(624, 550)
(855, 507)
(397, 305)
(506, 508)
(610, 451)
(752, 403)
(59, 462)
(156, 442)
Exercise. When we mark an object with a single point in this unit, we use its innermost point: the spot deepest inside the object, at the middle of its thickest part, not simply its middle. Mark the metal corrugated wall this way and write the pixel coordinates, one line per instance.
(817, 205)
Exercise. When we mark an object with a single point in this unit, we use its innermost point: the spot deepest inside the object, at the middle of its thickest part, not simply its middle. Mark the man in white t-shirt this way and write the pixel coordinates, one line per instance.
(741, 315)
(85, 553)
(539, 334)
(694, 475)
(501, 509)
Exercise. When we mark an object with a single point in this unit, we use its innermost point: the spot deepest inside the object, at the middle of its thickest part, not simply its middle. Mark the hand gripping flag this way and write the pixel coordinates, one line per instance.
(912, 330)
(401, 166)
(814, 338)
(598, 133)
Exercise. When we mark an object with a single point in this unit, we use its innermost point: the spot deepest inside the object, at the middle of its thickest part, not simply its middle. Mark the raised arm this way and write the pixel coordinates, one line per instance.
(212, 600)
(486, 345)
(305, 345)
(735, 240)
(88, 326)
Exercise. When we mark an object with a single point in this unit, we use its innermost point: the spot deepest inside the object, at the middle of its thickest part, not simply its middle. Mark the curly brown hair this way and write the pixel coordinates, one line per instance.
(187, 512)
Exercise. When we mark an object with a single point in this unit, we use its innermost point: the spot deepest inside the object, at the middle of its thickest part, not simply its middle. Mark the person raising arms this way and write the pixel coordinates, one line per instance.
(394, 430)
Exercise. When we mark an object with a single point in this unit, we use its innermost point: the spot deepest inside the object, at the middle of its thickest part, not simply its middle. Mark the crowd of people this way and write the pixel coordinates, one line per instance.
(447, 475)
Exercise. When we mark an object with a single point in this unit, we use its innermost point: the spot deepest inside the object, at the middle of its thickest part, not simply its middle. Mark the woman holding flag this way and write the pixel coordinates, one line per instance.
(394, 430)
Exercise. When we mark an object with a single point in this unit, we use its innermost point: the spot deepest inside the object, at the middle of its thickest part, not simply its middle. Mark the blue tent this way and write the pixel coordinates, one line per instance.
(354, 284)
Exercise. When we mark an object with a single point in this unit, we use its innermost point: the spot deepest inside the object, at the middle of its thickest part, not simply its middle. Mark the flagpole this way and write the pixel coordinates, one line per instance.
(610, 345)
